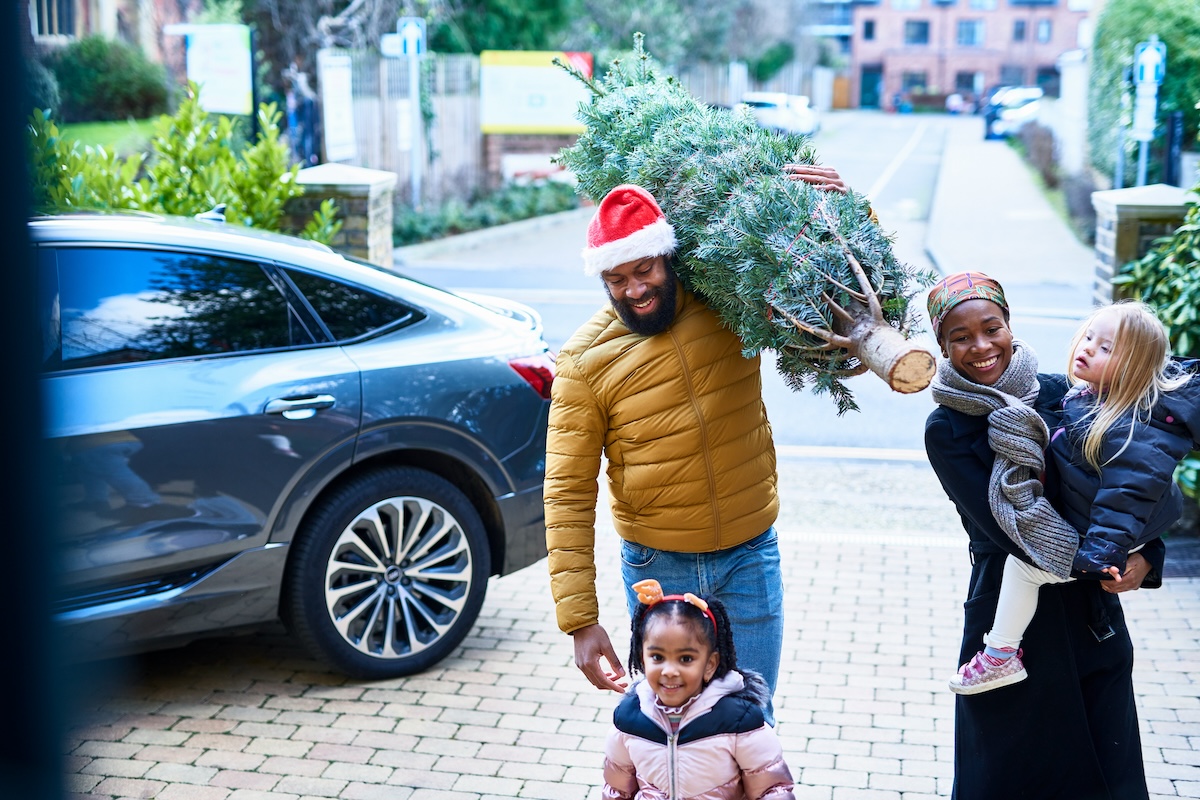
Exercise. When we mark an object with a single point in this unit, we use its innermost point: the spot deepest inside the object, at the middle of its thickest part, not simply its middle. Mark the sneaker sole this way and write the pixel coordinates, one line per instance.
(998, 683)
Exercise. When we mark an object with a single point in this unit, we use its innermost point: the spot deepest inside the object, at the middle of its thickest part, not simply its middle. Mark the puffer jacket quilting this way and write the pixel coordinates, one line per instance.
(1134, 498)
(680, 418)
(723, 750)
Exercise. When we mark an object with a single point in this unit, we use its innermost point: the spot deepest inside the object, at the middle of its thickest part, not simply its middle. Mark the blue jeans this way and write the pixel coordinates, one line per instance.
(746, 579)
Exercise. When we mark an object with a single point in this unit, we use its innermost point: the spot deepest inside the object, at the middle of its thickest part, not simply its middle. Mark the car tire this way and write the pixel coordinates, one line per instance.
(387, 573)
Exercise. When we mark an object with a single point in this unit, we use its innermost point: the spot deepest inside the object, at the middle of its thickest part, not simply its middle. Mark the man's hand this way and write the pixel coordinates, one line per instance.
(592, 644)
(825, 178)
(1136, 570)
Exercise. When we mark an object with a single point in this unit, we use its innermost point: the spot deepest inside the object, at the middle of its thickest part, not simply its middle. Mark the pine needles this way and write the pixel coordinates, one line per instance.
(804, 273)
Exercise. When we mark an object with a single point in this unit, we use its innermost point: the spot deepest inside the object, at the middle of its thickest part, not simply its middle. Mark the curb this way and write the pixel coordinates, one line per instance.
(473, 239)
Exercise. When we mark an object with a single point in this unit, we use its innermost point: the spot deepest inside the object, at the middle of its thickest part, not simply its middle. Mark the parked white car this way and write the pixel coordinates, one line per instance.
(787, 113)
(1009, 109)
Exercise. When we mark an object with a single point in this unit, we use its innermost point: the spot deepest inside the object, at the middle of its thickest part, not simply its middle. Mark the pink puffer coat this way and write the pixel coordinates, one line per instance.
(723, 749)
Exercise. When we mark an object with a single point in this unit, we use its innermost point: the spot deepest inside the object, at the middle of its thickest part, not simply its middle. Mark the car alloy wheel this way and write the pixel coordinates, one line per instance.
(389, 573)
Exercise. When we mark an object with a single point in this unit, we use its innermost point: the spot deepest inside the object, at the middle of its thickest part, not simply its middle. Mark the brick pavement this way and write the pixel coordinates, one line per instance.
(875, 568)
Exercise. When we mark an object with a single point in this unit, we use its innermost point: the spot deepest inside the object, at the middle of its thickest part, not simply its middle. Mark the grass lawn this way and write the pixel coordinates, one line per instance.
(125, 138)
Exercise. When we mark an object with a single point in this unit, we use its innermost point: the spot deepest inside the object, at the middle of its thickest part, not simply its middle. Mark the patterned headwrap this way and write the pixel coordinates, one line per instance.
(958, 288)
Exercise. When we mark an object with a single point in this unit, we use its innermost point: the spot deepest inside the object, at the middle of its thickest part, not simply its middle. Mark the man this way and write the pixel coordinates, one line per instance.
(660, 387)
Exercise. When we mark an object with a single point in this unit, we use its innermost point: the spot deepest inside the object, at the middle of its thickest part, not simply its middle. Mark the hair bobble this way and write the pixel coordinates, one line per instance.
(649, 593)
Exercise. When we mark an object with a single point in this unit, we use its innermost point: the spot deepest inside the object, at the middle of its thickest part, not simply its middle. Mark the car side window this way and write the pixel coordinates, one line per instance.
(350, 312)
(48, 316)
(125, 305)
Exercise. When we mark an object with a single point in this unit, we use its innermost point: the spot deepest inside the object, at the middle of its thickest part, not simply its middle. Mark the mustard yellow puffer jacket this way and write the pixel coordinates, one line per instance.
(680, 417)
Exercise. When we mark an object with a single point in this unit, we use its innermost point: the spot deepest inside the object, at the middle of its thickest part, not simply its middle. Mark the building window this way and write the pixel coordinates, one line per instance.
(52, 17)
(914, 81)
(868, 30)
(1011, 75)
(1018, 30)
(970, 33)
(906, 5)
(916, 31)
(964, 82)
(1043, 31)
(983, 5)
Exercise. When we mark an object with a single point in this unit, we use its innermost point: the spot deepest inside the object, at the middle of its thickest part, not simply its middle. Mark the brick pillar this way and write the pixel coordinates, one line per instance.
(1128, 221)
(364, 202)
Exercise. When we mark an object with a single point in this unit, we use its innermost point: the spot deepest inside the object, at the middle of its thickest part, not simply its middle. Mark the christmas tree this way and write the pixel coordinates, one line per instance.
(789, 268)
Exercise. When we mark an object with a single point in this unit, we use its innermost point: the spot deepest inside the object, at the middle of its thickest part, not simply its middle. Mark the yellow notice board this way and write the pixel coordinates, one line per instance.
(522, 91)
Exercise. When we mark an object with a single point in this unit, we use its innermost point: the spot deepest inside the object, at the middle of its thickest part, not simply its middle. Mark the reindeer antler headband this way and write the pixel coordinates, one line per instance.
(649, 592)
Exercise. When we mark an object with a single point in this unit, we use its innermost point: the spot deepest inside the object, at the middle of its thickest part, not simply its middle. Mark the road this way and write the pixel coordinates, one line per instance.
(893, 159)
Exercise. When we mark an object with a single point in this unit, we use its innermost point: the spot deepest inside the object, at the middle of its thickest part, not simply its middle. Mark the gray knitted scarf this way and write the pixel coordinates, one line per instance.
(1019, 438)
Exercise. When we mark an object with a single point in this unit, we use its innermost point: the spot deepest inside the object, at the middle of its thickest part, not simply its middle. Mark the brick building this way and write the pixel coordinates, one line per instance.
(927, 49)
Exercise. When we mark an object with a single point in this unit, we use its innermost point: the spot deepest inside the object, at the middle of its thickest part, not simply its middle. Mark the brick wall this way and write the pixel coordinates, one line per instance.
(364, 199)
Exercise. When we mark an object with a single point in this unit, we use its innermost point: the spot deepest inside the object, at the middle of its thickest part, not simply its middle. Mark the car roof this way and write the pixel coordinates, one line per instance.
(1015, 93)
(142, 227)
(777, 98)
(145, 229)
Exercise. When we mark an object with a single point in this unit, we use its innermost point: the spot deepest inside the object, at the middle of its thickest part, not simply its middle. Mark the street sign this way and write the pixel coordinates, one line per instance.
(1149, 67)
(412, 35)
(1149, 61)
(391, 45)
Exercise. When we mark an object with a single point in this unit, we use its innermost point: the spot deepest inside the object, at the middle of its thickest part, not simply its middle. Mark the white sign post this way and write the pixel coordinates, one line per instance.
(411, 31)
(1149, 67)
(336, 75)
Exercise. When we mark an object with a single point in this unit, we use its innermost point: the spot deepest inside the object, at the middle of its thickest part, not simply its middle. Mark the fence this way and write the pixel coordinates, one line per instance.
(451, 144)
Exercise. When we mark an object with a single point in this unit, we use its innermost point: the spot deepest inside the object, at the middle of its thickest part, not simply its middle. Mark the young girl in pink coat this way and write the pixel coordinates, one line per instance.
(693, 727)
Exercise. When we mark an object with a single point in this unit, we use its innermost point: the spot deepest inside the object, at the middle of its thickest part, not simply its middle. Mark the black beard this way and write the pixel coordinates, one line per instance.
(659, 320)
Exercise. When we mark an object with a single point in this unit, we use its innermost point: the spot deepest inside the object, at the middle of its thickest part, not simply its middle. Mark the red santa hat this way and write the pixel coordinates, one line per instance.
(627, 226)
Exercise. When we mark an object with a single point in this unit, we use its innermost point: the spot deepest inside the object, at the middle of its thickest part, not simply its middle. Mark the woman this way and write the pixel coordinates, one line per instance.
(1070, 730)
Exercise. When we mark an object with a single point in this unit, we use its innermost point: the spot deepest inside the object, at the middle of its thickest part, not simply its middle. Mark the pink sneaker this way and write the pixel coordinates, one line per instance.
(984, 673)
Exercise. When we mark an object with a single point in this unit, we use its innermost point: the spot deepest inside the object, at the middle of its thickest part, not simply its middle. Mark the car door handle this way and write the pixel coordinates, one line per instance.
(299, 407)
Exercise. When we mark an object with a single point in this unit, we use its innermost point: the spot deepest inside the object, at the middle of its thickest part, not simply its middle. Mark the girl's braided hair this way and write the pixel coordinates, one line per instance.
(720, 640)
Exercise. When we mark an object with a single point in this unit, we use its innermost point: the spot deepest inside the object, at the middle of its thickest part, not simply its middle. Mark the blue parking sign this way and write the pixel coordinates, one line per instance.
(1149, 61)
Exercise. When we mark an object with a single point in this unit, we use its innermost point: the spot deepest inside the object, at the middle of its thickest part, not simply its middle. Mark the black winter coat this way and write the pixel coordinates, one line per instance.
(1070, 730)
(1134, 499)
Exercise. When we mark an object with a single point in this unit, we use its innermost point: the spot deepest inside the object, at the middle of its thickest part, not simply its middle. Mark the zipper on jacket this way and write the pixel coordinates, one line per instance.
(706, 452)
(672, 766)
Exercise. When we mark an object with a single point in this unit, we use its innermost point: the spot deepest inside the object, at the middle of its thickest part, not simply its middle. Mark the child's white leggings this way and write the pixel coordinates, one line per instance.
(1018, 602)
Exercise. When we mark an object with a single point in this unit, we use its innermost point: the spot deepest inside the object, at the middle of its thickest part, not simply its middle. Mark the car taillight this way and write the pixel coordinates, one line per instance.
(538, 372)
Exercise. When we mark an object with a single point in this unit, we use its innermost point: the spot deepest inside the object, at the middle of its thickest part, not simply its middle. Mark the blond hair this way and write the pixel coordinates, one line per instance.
(1139, 370)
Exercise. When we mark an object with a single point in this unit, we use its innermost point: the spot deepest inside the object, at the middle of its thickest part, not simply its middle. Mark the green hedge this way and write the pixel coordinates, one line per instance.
(1122, 24)
(1168, 278)
(195, 163)
(510, 204)
(103, 79)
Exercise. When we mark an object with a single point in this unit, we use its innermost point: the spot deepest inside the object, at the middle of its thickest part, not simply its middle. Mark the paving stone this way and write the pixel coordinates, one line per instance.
(508, 716)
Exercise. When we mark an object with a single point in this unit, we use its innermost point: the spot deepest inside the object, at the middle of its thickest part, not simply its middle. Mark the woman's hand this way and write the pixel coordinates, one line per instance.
(825, 178)
(1136, 570)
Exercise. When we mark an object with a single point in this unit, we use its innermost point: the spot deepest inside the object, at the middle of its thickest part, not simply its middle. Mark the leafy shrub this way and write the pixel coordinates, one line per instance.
(1039, 146)
(771, 61)
(1122, 24)
(194, 165)
(1077, 192)
(511, 203)
(41, 85)
(103, 79)
(1168, 278)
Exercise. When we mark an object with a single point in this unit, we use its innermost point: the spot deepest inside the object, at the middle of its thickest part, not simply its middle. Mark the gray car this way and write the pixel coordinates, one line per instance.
(250, 427)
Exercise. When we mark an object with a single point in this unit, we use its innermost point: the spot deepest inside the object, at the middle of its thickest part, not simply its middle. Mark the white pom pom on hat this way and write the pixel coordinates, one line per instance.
(627, 226)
